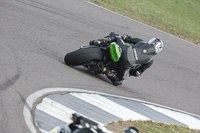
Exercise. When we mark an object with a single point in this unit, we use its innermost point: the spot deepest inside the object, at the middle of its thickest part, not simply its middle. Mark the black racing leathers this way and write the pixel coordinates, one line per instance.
(136, 57)
(144, 53)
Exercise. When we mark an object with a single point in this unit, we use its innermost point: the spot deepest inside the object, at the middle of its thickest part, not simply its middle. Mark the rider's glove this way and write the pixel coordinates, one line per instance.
(124, 36)
(113, 36)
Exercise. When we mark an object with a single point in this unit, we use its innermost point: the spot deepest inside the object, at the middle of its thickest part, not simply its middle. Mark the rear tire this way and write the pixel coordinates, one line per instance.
(82, 55)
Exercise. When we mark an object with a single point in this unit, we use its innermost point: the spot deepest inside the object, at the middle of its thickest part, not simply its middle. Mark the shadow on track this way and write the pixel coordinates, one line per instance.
(87, 72)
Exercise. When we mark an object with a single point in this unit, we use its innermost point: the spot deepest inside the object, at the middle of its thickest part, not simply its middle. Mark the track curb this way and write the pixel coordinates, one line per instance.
(31, 99)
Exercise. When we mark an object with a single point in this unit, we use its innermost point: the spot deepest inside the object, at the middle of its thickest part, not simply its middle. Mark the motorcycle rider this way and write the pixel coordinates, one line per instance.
(136, 56)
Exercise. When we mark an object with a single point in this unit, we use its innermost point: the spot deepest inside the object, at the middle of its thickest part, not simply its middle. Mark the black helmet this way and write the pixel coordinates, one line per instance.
(158, 44)
(130, 130)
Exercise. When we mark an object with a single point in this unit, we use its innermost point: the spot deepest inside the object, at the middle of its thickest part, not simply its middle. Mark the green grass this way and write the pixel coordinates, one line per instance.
(178, 17)
(149, 127)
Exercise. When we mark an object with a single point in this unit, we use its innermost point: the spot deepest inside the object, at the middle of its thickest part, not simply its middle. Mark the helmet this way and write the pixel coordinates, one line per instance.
(131, 130)
(158, 44)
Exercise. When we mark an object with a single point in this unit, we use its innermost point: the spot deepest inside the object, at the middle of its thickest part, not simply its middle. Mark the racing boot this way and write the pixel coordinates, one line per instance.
(94, 43)
(115, 81)
(100, 42)
(112, 77)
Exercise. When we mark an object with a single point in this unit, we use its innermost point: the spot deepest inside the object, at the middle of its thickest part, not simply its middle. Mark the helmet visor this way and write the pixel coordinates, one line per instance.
(158, 44)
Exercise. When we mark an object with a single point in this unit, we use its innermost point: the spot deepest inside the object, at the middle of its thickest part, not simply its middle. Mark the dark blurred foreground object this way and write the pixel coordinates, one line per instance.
(130, 130)
(81, 124)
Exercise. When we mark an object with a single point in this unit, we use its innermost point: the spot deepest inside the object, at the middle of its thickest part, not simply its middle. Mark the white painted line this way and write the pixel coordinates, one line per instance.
(192, 122)
(110, 106)
(56, 110)
(140, 23)
(59, 111)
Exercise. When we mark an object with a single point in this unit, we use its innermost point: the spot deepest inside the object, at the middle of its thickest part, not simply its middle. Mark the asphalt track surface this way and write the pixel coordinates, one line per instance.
(35, 35)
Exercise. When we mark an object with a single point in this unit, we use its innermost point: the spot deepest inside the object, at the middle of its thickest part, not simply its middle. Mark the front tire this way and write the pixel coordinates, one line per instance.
(82, 55)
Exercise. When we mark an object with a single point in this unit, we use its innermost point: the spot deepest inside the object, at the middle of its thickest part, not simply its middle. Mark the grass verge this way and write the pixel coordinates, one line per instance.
(178, 17)
(149, 127)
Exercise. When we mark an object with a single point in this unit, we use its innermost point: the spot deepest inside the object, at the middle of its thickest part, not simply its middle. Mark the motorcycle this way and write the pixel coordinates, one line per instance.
(115, 59)
(98, 59)
(95, 58)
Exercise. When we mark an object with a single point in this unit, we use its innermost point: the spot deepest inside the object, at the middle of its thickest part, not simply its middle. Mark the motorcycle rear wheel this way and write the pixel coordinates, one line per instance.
(82, 55)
